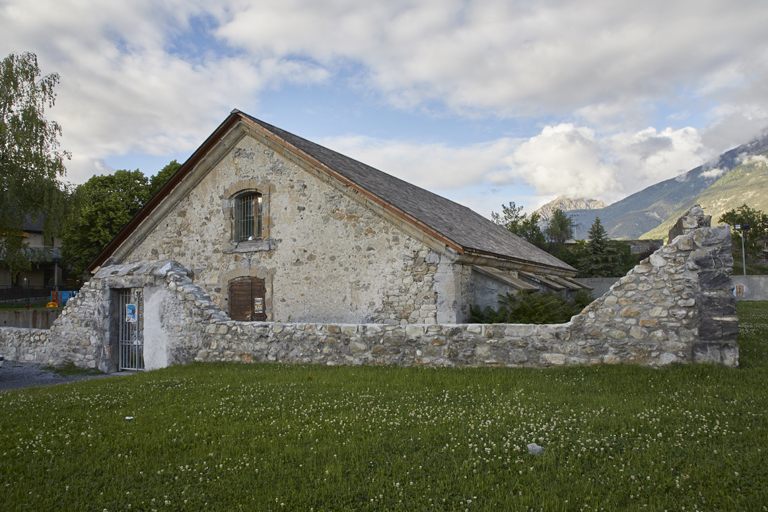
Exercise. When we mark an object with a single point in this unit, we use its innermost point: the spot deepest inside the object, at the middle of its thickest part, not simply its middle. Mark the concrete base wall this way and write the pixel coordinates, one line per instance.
(753, 288)
(34, 319)
(600, 285)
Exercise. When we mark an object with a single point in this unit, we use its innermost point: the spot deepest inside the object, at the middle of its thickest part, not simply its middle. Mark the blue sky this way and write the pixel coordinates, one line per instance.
(484, 102)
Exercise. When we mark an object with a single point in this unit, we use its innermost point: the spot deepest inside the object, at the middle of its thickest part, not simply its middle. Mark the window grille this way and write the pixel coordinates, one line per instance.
(248, 217)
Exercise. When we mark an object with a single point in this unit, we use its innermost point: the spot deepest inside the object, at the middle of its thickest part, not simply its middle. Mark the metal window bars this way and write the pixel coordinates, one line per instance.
(248, 217)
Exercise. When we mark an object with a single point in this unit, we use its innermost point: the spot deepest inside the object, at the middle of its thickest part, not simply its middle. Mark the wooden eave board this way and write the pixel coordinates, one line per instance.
(583, 286)
(507, 279)
(546, 282)
(568, 284)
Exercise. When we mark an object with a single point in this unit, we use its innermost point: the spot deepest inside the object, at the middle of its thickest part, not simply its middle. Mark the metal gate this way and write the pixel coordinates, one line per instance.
(130, 339)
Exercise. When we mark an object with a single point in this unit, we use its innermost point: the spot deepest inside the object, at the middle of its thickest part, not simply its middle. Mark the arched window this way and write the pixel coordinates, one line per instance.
(247, 216)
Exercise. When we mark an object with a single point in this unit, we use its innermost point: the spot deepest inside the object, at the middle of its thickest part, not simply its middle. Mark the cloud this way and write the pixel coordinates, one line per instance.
(758, 159)
(650, 156)
(572, 161)
(156, 77)
(713, 173)
(432, 166)
(562, 160)
(123, 87)
(520, 58)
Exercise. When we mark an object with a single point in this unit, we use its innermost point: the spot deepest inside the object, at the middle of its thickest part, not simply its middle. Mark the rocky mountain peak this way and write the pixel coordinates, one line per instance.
(565, 204)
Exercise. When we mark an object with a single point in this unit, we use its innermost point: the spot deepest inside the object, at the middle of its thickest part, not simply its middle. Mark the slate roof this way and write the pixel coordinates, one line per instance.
(468, 229)
(36, 225)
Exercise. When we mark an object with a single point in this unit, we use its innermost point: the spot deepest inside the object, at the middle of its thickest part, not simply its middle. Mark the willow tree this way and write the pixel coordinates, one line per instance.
(30, 159)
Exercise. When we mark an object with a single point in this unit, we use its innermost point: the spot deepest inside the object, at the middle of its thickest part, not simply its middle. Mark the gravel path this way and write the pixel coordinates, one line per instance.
(16, 375)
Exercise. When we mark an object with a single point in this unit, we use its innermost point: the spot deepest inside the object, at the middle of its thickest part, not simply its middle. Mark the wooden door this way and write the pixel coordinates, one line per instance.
(247, 299)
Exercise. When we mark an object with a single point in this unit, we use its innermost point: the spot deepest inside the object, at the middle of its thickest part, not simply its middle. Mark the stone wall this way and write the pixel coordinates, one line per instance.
(17, 344)
(676, 306)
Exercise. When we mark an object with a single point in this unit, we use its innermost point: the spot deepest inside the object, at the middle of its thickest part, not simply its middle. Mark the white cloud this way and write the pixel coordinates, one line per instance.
(122, 90)
(550, 56)
(713, 173)
(649, 156)
(758, 159)
(562, 160)
(571, 161)
(432, 166)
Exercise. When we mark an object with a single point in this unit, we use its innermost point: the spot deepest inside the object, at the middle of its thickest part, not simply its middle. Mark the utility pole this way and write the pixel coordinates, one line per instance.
(741, 228)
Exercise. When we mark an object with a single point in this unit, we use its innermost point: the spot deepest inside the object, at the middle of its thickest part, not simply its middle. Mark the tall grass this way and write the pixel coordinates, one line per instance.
(275, 437)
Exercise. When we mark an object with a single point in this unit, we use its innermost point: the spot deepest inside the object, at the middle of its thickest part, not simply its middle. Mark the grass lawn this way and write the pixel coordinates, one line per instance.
(275, 437)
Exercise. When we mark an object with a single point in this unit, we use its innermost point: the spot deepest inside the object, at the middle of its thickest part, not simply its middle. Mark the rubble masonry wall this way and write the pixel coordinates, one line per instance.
(674, 307)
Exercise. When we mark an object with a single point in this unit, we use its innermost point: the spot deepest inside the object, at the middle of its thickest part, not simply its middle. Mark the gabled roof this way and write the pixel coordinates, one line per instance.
(459, 227)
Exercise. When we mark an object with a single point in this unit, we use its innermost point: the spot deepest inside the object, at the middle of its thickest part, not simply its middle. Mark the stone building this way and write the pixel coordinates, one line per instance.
(277, 228)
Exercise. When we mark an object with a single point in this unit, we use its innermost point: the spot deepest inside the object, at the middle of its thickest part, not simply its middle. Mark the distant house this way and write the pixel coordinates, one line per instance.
(278, 228)
(45, 257)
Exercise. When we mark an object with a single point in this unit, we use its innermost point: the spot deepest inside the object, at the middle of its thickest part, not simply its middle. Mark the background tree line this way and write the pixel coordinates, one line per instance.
(596, 257)
(99, 208)
(599, 256)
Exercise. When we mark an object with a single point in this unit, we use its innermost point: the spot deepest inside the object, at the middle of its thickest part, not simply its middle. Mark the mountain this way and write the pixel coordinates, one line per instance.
(644, 211)
(745, 184)
(566, 205)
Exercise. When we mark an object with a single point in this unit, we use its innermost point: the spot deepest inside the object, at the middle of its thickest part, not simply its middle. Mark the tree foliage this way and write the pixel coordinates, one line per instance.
(100, 208)
(157, 181)
(602, 257)
(522, 225)
(560, 229)
(758, 223)
(30, 159)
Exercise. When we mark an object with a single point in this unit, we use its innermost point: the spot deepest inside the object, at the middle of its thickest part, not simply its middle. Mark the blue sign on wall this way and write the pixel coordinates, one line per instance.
(130, 313)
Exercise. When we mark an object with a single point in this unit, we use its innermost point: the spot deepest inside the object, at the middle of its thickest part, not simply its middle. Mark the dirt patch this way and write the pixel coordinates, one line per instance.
(17, 375)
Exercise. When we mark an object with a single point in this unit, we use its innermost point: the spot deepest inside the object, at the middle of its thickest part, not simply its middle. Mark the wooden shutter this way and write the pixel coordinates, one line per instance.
(240, 299)
(246, 298)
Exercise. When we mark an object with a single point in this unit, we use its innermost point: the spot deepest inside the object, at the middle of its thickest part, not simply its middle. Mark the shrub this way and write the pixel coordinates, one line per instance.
(533, 308)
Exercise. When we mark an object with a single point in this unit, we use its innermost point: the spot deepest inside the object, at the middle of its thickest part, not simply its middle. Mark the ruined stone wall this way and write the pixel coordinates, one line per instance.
(325, 257)
(675, 306)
